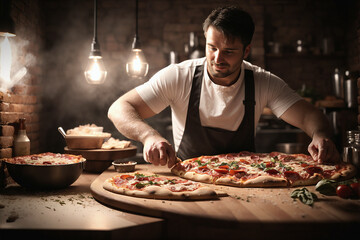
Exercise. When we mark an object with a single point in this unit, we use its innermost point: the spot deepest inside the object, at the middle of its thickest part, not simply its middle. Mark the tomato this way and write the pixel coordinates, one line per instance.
(356, 189)
(269, 164)
(224, 166)
(221, 170)
(344, 191)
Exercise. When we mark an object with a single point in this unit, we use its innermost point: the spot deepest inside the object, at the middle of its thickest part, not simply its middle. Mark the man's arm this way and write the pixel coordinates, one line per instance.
(127, 114)
(315, 124)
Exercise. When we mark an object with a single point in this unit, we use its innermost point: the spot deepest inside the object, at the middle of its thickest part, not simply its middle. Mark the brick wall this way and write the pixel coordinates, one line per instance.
(21, 100)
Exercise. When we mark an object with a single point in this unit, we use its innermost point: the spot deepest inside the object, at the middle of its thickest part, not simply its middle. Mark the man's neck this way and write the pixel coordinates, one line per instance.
(228, 81)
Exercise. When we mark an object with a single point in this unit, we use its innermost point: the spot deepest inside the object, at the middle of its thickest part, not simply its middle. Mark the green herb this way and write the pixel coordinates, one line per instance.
(287, 168)
(172, 181)
(326, 187)
(260, 166)
(304, 195)
(200, 163)
(234, 165)
(140, 175)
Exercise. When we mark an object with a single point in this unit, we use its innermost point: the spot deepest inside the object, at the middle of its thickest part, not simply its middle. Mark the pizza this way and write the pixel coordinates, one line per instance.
(247, 169)
(150, 185)
(47, 158)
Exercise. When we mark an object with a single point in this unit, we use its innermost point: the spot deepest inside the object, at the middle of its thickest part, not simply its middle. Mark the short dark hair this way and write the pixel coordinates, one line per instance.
(233, 22)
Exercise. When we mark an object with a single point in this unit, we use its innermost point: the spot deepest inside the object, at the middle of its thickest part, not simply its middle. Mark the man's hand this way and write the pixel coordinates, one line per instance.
(323, 150)
(159, 151)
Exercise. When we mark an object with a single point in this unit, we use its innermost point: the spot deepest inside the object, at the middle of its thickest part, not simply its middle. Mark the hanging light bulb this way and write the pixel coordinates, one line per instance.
(95, 72)
(7, 26)
(137, 66)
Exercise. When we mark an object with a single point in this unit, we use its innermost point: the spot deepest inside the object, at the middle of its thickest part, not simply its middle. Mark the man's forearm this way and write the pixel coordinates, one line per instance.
(317, 125)
(129, 123)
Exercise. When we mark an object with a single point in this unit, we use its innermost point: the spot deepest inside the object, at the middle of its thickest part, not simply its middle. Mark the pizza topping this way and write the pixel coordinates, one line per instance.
(313, 169)
(292, 176)
(272, 171)
(240, 167)
(139, 181)
(221, 170)
(46, 159)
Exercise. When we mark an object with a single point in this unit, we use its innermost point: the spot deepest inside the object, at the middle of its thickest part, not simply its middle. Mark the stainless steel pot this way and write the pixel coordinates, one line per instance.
(45, 176)
(291, 148)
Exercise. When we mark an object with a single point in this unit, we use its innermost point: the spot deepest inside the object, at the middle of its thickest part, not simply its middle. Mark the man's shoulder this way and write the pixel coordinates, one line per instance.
(191, 63)
(259, 72)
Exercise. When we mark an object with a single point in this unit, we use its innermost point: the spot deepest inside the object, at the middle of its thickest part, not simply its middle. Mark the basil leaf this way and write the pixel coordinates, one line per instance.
(326, 187)
(305, 196)
(200, 163)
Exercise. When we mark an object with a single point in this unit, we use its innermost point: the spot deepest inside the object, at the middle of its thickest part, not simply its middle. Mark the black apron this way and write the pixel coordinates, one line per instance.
(198, 140)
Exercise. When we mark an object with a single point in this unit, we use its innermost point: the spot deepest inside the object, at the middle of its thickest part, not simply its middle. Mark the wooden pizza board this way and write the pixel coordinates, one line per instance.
(104, 154)
(242, 205)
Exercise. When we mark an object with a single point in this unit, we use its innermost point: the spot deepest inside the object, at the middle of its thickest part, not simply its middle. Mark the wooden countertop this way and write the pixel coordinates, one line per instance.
(71, 212)
(251, 212)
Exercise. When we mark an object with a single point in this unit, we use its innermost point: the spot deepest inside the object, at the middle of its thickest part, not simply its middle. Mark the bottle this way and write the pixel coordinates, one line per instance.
(356, 150)
(338, 84)
(21, 142)
(195, 51)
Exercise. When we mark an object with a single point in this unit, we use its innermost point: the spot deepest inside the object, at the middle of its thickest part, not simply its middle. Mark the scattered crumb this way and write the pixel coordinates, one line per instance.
(12, 218)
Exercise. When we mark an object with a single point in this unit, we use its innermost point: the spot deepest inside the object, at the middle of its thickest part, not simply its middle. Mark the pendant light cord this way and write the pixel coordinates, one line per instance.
(95, 21)
(136, 17)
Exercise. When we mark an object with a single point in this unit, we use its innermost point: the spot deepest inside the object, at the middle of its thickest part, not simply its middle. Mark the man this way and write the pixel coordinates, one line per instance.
(216, 101)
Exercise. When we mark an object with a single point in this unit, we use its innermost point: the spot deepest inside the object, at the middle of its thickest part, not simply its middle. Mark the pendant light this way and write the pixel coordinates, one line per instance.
(95, 72)
(136, 66)
(7, 26)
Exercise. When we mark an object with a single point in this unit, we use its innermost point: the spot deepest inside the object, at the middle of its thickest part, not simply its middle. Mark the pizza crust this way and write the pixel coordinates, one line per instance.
(260, 181)
(347, 172)
(156, 192)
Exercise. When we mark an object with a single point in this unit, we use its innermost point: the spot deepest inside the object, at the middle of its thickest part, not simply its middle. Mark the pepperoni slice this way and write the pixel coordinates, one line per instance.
(313, 169)
(292, 176)
(244, 153)
(272, 171)
(244, 161)
(274, 154)
(287, 158)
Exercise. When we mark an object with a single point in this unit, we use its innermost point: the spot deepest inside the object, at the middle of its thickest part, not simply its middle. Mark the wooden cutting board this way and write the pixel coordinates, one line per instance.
(104, 154)
(242, 205)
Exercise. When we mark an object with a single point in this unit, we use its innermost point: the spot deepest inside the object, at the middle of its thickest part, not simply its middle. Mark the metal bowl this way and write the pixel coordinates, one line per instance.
(124, 166)
(45, 176)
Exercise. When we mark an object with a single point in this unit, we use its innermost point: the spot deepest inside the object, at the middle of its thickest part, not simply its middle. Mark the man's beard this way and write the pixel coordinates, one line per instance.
(218, 74)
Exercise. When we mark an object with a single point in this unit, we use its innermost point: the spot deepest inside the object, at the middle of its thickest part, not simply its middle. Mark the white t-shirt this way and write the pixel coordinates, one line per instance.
(220, 106)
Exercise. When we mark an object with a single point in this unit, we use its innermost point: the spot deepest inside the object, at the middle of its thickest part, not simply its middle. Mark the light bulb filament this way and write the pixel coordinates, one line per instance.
(95, 73)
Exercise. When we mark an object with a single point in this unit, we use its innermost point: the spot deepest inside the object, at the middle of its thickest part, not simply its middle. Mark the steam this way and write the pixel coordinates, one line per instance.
(12, 69)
